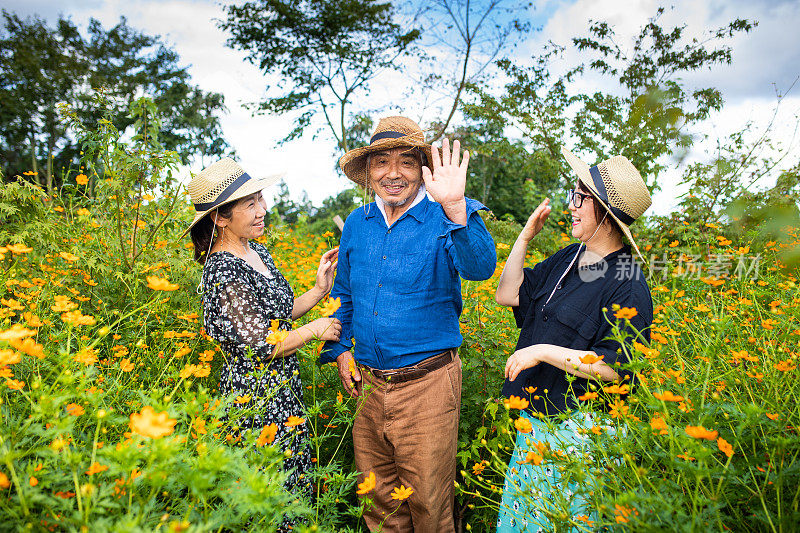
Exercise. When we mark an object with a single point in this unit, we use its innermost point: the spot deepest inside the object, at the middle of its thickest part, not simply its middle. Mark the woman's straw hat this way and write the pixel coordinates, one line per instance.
(618, 186)
(391, 132)
(221, 183)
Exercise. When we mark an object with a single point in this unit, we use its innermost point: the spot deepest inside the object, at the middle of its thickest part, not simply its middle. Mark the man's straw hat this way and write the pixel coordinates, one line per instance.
(618, 186)
(221, 183)
(391, 132)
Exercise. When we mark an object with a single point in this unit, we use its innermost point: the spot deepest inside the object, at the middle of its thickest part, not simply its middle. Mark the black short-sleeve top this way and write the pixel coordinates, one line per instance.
(574, 318)
(240, 302)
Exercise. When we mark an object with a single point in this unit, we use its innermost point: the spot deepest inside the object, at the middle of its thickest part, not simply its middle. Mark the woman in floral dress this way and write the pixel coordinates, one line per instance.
(248, 307)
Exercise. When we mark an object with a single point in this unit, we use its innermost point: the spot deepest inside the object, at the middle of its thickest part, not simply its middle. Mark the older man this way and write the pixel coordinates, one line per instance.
(400, 260)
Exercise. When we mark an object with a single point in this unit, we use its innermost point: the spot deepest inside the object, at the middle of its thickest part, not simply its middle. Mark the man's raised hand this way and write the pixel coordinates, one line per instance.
(448, 180)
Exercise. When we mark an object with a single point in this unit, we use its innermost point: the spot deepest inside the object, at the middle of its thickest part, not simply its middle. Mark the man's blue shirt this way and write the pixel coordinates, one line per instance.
(400, 286)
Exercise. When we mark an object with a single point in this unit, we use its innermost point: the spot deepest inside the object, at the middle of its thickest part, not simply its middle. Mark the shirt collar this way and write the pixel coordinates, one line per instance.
(416, 213)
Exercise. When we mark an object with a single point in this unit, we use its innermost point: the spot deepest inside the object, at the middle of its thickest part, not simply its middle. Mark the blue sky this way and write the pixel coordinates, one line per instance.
(765, 61)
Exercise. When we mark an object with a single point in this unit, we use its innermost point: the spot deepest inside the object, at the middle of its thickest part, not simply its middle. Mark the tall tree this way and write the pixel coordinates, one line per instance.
(42, 66)
(642, 109)
(317, 55)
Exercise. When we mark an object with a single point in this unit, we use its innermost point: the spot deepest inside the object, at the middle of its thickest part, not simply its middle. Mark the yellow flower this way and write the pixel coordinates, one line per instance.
(63, 304)
(152, 425)
(401, 493)
(161, 284)
(699, 432)
(4, 482)
(330, 306)
(187, 371)
(68, 256)
(9, 357)
(87, 356)
(515, 402)
(276, 337)
(125, 365)
(478, 468)
(81, 179)
(96, 468)
(369, 483)
(523, 425)
(658, 424)
(18, 248)
(202, 371)
(617, 389)
(28, 346)
(16, 332)
(667, 396)
(585, 397)
(76, 318)
(83, 212)
(75, 409)
(243, 399)
(267, 435)
(12, 304)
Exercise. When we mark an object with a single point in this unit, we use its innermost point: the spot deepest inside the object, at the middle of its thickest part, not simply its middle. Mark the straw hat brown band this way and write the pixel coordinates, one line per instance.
(617, 184)
(391, 132)
(221, 183)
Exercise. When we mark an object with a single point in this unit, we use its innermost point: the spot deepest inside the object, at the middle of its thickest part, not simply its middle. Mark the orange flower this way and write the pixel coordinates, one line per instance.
(626, 313)
(591, 358)
(667, 396)
(330, 306)
(617, 389)
(369, 484)
(81, 179)
(76, 318)
(478, 468)
(725, 447)
(658, 424)
(18, 248)
(14, 384)
(267, 435)
(699, 432)
(96, 468)
(523, 425)
(187, 371)
(588, 396)
(4, 482)
(63, 304)
(623, 513)
(68, 256)
(202, 371)
(75, 409)
(785, 366)
(16, 332)
(87, 356)
(294, 421)
(531, 458)
(125, 365)
(12, 304)
(28, 346)
(150, 424)
(673, 244)
(243, 399)
(515, 402)
(772, 416)
(9, 357)
(277, 337)
(33, 481)
(401, 493)
(161, 284)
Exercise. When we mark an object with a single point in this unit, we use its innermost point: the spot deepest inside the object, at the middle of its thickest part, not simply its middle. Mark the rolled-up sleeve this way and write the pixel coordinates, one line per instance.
(341, 289)
(473, 250)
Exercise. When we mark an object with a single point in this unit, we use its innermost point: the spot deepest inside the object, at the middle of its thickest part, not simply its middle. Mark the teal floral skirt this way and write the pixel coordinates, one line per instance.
(532, 492)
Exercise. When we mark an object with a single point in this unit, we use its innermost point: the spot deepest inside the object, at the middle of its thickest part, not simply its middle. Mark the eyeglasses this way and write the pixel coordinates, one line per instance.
(576, 198)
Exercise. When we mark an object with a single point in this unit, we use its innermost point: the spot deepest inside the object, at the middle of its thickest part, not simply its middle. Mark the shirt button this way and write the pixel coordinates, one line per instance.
(543, 318)
(376, 313)
(389, 231)
(380, 284)
(384, 257)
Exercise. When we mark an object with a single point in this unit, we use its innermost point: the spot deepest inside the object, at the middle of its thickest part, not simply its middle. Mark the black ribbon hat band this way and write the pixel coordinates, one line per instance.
(224, 195)
(597, 179)
(386, 135)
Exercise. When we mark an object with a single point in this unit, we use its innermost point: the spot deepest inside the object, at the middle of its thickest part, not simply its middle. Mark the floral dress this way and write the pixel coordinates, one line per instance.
(238, 305)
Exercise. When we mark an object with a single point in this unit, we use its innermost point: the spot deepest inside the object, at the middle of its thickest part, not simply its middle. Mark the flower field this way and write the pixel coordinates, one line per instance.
(110, 419)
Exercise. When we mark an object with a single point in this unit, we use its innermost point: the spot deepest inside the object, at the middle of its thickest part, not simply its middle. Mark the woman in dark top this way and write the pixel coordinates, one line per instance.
(245, 300)
(563, 306)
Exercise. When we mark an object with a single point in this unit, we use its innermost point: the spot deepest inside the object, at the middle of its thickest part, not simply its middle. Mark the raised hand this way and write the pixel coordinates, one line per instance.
(327, 271)
(447, 181)
(535, 222)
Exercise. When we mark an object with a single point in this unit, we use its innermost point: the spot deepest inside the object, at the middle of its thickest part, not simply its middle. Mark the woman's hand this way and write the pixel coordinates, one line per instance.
(522, 359)
(326, 329)
(326, 271)
(535, 222)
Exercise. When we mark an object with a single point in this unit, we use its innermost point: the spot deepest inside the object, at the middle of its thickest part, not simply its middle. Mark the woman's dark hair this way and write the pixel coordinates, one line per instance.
(203, 231)
(600, 210)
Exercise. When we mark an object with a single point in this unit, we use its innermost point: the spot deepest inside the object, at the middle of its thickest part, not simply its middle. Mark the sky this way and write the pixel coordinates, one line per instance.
(766, 62)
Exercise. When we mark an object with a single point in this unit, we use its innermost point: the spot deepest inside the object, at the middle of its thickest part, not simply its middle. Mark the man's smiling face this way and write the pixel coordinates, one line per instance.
(395, 175)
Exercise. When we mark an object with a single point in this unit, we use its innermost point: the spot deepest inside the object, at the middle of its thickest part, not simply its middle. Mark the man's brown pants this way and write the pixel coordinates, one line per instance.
(407, 434)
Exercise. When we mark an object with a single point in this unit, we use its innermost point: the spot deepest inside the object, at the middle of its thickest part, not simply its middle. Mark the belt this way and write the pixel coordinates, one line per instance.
(416, 371)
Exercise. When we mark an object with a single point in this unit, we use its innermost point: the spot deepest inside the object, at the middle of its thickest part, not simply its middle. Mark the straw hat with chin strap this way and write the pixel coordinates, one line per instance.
(391, 132)
(618, 186)
(221, 183)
